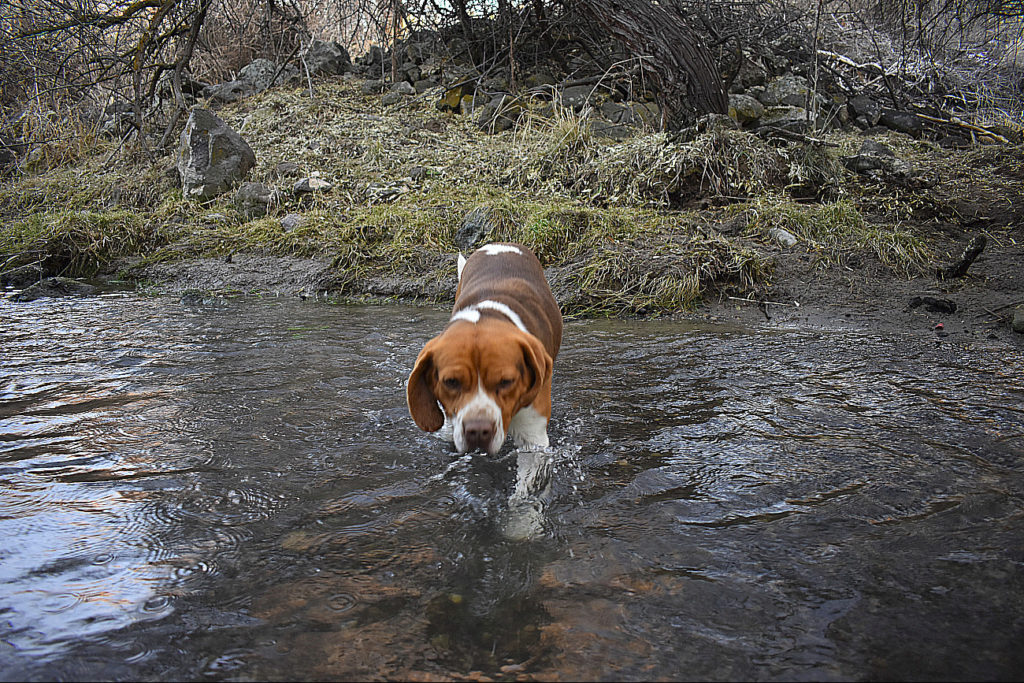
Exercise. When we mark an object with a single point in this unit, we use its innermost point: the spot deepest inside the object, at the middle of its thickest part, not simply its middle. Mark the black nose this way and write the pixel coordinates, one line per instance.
(478, 434)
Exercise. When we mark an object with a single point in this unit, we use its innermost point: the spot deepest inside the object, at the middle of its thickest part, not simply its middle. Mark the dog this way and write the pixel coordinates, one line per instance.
(489, 372)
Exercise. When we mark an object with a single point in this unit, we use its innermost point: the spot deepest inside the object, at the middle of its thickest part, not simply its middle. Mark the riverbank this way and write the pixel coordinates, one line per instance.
(715, 222)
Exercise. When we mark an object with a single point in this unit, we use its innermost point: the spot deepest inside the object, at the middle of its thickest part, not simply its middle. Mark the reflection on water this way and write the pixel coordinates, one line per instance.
(236, 491)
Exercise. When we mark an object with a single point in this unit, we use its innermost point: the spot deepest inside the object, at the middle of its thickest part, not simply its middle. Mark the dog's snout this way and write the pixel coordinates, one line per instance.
(478, 434)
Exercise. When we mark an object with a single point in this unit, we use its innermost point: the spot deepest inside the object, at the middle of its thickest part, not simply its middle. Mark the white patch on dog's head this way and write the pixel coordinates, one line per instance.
(495, 249)
(481, 407)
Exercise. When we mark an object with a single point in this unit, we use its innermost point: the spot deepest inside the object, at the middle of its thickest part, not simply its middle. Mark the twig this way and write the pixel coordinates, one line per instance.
(759, 303)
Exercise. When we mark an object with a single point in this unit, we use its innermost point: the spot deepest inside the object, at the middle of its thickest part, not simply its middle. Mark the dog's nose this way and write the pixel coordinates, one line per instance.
(478, 434)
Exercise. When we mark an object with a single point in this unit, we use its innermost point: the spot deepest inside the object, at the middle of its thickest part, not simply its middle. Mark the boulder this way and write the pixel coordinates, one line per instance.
(424, 85)
(875, 159)
(372, 87)
(745, 109)
(259, 74)
(211, 157)
(55, 287)
(256, 199)
(1018, 319)
(403, 88)
(327, 58)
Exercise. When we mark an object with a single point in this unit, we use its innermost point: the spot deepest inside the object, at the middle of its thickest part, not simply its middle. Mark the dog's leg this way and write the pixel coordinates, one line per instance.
(529, 430)
(525, 518)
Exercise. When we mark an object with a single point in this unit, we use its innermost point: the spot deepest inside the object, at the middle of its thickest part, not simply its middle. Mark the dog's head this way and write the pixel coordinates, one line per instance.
(481, 374)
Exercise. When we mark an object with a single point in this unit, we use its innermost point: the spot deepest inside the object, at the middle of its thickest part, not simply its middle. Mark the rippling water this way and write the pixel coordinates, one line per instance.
(235, 490)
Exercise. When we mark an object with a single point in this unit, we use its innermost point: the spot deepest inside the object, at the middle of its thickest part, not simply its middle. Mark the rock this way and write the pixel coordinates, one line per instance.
(403, 88)
(576, 97)
(751, 73)
(211, 157)
(452, 98)
(326, 57)
(864, 107)
(876, 159)
(538, 79)
(745, 109)
(256, 199)
(391, 98)
(259, 74)
(934, 304)
(292, 221)
(902, 121)
(783, 237)
(424, 85)
(373, 87)
(287, 169)
(312, 184)
(785, 91)
(231, 91)
(501, 113)
(1018, 319)
(22, 276)
(795, 119)
(475, 227)
(55, 287)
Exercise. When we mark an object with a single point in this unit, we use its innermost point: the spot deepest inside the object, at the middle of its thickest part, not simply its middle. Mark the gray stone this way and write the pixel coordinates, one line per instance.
(874, 158)
(312, 184)
(501, 113)
(475, 227)
(902, 121)
(259, 74)
(783, 237)
(292, 221)
(287, 169)
(256, 199)
(1018, 319)
(576, 97)
(211, 157)
(745, 109)
(326, 57)
(424, 85)
(864, 107)
(373, 87)
(391, 98)
(403, 88)
(55, 287)
(794, 119)
(785, 91)
(231, 91)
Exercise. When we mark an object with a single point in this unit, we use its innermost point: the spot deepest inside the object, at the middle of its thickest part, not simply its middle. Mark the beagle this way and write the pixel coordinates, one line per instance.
(490, 369)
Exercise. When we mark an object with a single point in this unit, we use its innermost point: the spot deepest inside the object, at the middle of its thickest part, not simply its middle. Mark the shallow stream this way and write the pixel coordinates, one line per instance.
(234, 490)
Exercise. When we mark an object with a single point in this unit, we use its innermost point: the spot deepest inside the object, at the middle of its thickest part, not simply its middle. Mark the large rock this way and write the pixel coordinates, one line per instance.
(785, 91)
(329, 58)
(212, 157)
(902, 121)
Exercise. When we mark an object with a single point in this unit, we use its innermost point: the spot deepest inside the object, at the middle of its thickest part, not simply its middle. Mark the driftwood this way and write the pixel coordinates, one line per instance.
(959, 267)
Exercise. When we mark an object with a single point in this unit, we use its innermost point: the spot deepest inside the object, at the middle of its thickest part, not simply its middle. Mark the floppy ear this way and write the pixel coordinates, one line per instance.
(539, 367)
(419, 393)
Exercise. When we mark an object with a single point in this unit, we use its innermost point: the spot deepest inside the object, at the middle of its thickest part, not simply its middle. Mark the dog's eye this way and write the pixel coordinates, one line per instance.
(452, 384)
(505, 383)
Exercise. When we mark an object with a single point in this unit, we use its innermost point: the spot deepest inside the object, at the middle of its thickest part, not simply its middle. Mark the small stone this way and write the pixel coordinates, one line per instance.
(783, 237)
(391, 98)
(312, 184)
(292, 221)
(403, 88)
(287, 169)
(1018, 319)
(372, 87)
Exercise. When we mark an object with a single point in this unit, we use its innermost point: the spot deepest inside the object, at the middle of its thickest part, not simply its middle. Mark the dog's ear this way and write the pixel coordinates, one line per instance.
(419, 392)
(539, 367)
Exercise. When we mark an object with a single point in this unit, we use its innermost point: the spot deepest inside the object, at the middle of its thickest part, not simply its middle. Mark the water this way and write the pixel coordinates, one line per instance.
(234, 490)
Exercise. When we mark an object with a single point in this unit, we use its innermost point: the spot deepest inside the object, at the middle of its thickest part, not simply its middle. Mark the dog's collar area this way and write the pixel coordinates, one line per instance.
(472, 313)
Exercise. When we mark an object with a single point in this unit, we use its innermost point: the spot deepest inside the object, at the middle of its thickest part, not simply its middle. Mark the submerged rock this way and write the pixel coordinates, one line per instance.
(55, 287)
(212, 157)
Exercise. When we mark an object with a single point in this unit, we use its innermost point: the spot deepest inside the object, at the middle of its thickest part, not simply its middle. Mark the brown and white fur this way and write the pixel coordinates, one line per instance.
(489, 372)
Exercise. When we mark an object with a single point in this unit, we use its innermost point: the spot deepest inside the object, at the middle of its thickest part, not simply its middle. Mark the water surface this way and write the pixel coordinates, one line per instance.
(234, 490)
